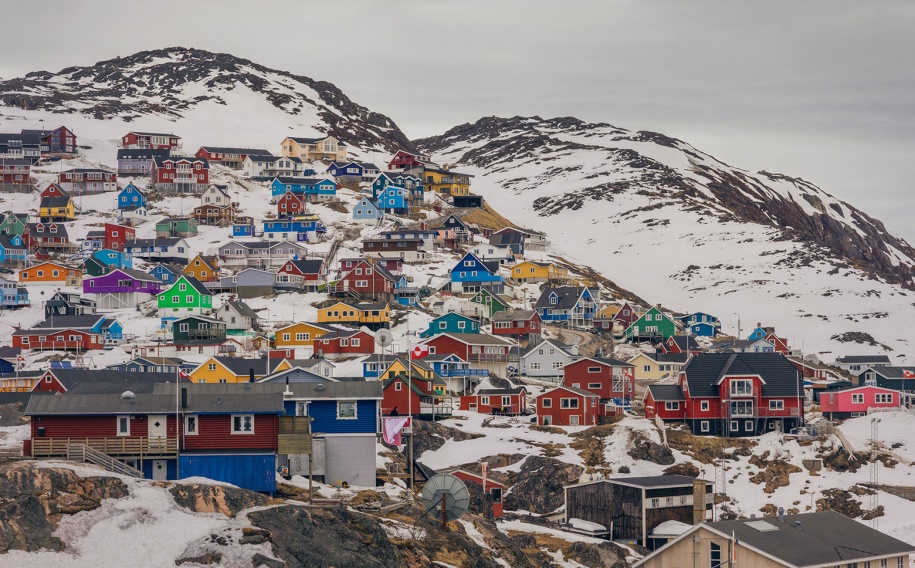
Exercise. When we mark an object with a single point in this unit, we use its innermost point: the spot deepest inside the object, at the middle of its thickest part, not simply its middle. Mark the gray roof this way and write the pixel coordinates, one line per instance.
(497, 392)
(517, 315)
(70, 322)
(242, 308)
(666, 392)
(575, 390)
(655, 480)
(863, 359)
(567, 297)
(566, 348)
(814, 539)
(70, 377)
(142, 154)
(780, 376)
(893, 372)
(343, 389)
(55, 201)
(227, 150)
(136, 274)
(667, 357)
(242, 366)
(196, 284)
(479, 339)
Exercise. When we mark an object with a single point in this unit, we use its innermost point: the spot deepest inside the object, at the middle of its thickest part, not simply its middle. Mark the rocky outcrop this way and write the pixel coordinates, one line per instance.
(537, 486)
(34, 499)
(221, 499)
(156, 82)
(643, 449)
(432, 436)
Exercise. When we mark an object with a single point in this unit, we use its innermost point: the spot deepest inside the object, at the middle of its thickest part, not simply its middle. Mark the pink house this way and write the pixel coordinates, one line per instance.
(849, 403)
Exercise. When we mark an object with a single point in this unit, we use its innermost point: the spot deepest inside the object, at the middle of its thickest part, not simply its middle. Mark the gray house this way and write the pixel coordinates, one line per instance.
(547, 358)
(136, 161)
(237, 316)
(259, 254)
(248, 283)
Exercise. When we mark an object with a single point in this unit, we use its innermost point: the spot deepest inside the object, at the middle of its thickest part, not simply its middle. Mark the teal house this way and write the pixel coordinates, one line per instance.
(451, 323)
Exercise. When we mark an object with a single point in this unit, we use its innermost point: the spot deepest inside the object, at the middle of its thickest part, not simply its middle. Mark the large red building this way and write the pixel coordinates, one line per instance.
(150, 141)
(734, 394)
(290, 205)
(422, 398)
(14, 173)
(857, 401)
(607, 378)
(496, 401)
(520, 323)
(403, 160)
(567, 406)
(367, 280)
(58, 339)
(480, 350)
(177, 174)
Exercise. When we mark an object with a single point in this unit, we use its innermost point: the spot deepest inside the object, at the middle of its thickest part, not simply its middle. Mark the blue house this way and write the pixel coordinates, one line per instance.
(111, 329)
(470, 275)
(413, 184)
(130, 196)
(379, 183)
(405, 293)
(572, 305)
(167, 273)
(314, 189)
(366, 210)
(394, 199)
(451, 323)
(344, 426)
(760, 333)
(243, 228)
(115, 258)
(13, 251)
(13, 295)
(701, 324)
(294, 229)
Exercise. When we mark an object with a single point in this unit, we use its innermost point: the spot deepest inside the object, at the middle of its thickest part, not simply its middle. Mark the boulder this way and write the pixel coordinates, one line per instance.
(537, 487)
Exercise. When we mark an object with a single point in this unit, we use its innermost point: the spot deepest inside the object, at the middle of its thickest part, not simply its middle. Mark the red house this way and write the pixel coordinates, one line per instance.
(405, 160)
(781, 345)
(392, 264)
(849, 403)
(480, 350)
(338, 344)
(63, 380)
(88, 180)
(367, 280)
(520, 323)
(46, 237)
(680, 344)
(176, 174)
(424, 398)
(607, 378)
(567, 406)
(811, 370)
(116, 236)
(229, 157)
(150, 141)
(59, 141)
(495, 489)
(54, 190)
(290, 204)
(627, 315)
(300, 275)
(741, 394)
(511, 401)
(15, 173)
(666, 401)
(58, 339)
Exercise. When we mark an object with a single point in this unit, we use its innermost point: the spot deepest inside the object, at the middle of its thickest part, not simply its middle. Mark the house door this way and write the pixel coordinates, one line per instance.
(157, 432)
(159, 470)
(547, 421)
(573, 420)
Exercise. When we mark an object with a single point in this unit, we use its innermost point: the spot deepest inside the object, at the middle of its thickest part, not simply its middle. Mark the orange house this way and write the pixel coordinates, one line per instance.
(52, 272)
(203, 268)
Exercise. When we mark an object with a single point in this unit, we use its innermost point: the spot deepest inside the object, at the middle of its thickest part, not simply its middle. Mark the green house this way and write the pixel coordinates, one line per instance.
(493, 302)
(198, 329)
(652, 326)
(451, 323)
(14, 224)
(94, 267)
(186, 297)
(176, 227)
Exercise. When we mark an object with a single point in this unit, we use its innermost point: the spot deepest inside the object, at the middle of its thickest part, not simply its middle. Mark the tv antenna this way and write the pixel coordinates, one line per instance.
(446, 496)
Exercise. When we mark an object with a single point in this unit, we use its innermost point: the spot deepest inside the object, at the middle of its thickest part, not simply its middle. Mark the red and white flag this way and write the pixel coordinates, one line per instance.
(20, 358)
(908, 374)
(183, 374)
(628, 373)
(419, 351)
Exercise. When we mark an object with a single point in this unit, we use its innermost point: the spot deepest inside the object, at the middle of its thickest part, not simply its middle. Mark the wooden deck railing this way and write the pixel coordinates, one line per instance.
(126, 446)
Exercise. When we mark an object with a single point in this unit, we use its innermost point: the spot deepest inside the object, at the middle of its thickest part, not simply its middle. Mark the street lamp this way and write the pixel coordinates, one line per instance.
(738, 324)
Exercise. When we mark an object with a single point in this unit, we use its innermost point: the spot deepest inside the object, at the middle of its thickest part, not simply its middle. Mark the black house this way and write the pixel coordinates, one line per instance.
(68, 304)
(631, 507)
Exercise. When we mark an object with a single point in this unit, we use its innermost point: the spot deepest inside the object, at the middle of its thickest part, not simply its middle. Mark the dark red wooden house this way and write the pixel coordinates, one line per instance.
(116, 236)
(290, 204)
(520, 324)
(511, 401)
(352, 343)
(607, 378)
(367, 280)
(567, 406)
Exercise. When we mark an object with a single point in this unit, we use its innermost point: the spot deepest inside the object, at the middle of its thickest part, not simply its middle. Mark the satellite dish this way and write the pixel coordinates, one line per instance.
(445, 491)
(384, 338)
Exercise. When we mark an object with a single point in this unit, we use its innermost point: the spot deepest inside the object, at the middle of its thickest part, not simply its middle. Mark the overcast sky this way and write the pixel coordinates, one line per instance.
(824, 90)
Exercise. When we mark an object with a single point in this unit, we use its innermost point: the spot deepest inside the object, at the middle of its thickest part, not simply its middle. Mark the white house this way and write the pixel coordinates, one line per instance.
(547, 358)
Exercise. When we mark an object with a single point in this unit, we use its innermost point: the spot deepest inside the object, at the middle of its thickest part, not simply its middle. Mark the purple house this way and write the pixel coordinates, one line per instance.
(122, 288)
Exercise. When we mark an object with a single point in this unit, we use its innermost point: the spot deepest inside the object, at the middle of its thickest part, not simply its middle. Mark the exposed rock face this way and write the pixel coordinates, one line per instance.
(215, 498)
(601, 555)
(537, 487)
(647, 450)
(154, 83)
(432, 436)
(692, 180)
(33, 500)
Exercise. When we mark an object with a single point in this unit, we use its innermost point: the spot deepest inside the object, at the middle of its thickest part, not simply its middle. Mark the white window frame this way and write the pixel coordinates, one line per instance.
(188, 420)
(355, 415)
(241, 423)
(123, 420)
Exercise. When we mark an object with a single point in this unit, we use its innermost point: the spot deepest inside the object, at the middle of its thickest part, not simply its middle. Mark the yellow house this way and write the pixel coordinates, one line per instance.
(420, 371)
(300, 335)
(446, 181)
(655, 366)
(57, 208)
(203, 268)
(325, 148)
(230, 370)
(372, 314)
(533, 271)
(608, 312)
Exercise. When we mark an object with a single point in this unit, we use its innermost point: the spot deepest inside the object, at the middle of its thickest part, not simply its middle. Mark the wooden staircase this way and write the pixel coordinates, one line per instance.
(85, 454)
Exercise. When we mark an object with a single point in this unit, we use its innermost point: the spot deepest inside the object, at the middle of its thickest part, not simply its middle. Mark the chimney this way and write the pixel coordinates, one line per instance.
(698, 501)
(183, 397)
(781, 514)
(797, 525)
(287, 393)
(250, 375)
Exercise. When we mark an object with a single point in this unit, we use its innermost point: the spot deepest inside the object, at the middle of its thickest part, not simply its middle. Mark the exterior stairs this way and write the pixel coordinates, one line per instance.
(85, 454)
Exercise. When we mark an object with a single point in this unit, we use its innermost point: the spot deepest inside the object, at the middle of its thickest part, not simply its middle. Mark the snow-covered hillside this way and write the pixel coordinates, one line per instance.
(208, 98)
(678, 227)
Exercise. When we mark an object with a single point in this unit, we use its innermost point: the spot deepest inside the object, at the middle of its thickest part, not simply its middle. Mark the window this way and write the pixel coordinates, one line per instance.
(568, 403)
(703, 406)
(212, 366)
(534, 366)
(301, 408)
(182, 287)
(646, 368)
(741, 408)
(885, 398)
(190, 425)
(735, 426)
(714, 555)
(242, 423)
(857, 398)
(594, 369)
(741, 387)
(397, 386)
(703, 426)
(672, 405)
(346, 410)
(546, 403)
(123, 425)
(776, 405)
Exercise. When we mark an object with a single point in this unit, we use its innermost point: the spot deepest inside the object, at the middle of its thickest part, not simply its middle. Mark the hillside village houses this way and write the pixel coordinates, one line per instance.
(504, 327)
